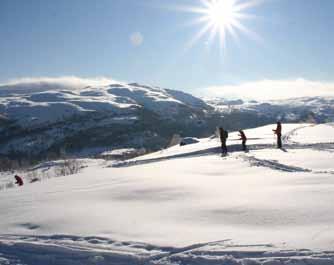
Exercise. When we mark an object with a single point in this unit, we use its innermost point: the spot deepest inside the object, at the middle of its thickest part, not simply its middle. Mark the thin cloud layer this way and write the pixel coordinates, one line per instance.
(270, 90)
(36, 84)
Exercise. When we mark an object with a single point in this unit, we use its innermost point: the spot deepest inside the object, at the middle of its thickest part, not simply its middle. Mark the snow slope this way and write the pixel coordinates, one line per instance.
(186, 205)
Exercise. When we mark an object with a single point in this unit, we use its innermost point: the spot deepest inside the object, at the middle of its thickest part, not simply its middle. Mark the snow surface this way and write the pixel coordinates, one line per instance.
(186, 205)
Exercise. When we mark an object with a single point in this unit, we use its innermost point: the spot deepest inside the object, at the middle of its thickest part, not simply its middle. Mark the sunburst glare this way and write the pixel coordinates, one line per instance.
(220, 18)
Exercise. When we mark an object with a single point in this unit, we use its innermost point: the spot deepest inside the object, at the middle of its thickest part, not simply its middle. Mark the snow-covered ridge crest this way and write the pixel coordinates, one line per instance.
(54, 99)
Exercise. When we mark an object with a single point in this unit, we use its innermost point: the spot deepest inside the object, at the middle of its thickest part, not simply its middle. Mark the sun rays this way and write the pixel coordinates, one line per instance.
(221, 18)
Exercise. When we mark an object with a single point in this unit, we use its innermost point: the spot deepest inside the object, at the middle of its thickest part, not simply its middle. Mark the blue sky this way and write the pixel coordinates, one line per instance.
(93, 38)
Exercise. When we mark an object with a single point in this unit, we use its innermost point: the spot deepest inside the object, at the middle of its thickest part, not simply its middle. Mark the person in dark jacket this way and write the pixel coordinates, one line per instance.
(278, 132)
(19, 180)
(243, 139)
(223, 138)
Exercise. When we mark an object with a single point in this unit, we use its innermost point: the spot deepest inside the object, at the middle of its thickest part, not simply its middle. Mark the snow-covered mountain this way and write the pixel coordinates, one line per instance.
(185, 205)
(46, 120)
(30, 107)
(313, 109)
(42, 119)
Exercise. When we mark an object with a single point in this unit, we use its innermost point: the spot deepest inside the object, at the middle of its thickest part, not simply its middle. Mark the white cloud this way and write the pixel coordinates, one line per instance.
(45, 83)
(136, 39)
(270, 89)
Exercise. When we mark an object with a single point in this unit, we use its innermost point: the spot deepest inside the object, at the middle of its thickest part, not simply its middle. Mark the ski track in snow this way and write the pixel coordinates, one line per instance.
(273, 164)
(62, 250)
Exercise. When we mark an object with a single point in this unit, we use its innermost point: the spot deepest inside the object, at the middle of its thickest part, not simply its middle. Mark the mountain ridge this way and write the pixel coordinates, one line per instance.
(37, 120)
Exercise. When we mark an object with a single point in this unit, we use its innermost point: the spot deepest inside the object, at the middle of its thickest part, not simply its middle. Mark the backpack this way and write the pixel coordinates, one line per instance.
(226, 134)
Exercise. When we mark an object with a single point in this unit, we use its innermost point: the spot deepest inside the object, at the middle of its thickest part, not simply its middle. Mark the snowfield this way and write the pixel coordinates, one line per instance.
(184, 205)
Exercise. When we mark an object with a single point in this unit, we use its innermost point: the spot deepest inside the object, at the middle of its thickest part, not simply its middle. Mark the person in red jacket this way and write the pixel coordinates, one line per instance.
(243, 139)
(278, 132)
(19, 180)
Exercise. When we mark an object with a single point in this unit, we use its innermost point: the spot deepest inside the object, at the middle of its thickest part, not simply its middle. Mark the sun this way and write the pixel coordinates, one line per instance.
(220, 18)
(222, 14)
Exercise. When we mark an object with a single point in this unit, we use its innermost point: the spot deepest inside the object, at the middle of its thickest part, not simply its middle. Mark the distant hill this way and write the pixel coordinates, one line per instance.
(311, 109)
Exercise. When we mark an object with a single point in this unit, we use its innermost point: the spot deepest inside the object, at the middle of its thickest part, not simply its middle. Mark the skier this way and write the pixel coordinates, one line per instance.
(19, 180)
(278, 132)
(243, 138)
(223, 137)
